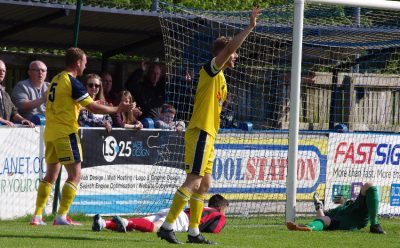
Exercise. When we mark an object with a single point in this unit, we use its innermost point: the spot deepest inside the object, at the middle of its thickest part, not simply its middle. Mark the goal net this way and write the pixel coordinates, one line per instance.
(349, 119)
(349, 84)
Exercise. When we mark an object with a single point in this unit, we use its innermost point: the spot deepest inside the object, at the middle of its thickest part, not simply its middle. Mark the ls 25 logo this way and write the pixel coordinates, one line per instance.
(112, 148)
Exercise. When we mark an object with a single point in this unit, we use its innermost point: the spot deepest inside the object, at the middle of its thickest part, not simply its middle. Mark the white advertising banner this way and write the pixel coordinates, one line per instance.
(127, 172)
(354, 159)
(259, 165)
(126, 189)
(20, 167)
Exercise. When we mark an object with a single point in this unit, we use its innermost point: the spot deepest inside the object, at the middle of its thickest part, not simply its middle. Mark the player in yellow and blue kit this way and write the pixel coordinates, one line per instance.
(65, 96)
(201, 133)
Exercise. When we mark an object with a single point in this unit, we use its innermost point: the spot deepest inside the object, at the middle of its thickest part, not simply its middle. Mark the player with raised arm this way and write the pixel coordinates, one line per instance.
(200, 136)
(212, 219)
(65, 96)
(350, 215)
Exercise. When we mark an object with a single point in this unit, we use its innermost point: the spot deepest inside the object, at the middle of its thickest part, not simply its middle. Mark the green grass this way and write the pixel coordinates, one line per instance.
(237, 233)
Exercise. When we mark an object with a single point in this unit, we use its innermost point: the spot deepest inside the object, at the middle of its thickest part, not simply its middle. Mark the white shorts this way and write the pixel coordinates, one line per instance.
(181, 223)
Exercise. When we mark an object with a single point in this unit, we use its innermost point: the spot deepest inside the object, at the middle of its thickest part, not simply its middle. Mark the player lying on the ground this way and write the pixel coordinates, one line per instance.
(212, 219)
(351, 215)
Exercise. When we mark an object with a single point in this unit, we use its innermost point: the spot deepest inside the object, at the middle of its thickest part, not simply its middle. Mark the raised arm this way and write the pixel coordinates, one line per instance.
(237, 40)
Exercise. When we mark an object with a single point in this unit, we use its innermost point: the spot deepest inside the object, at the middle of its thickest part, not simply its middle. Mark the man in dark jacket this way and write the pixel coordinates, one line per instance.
(8, 112)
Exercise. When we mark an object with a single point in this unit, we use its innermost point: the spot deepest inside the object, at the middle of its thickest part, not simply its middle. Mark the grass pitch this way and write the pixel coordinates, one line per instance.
(237, 233)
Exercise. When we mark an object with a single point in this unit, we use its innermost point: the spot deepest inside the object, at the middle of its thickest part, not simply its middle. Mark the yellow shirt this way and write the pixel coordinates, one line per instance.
(210, 95)
(65, 96)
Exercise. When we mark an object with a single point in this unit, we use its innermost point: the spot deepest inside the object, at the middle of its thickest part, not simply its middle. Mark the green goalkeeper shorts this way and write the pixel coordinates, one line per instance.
(353, 216)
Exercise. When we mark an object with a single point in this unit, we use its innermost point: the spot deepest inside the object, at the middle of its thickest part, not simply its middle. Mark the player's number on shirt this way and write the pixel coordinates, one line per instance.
(52, 92)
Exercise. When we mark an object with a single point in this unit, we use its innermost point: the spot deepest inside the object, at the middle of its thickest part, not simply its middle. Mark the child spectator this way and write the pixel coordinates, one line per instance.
(129, 119)
(86, 118)
(164, 118)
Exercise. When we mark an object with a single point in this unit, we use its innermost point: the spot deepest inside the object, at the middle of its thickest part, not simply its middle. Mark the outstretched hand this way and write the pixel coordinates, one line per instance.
(253, 16)
(125, 107)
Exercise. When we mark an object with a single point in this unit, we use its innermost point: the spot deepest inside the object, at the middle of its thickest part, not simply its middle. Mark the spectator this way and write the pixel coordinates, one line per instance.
(186, 86)
(29, 95)
(164, 118)
(8, 111)
(86, 118)
(129, 119)
(136, 76)
(150, 92)
(110, 96)
(228, 115)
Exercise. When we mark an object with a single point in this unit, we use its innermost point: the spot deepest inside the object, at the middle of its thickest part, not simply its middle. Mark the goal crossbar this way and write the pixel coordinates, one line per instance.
(374, 4)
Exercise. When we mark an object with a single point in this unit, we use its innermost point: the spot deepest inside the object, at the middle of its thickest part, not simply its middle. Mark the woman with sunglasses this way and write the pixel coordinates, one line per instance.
(95, 89)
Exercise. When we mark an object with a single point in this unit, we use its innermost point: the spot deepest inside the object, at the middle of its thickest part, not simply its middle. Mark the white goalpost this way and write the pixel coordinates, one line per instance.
(296, 82)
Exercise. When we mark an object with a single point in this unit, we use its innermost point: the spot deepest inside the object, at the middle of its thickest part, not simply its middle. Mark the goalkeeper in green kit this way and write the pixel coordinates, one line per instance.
(351, 215)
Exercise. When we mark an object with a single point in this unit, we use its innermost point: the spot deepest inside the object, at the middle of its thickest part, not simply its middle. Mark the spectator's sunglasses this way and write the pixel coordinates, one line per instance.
(93, 85)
